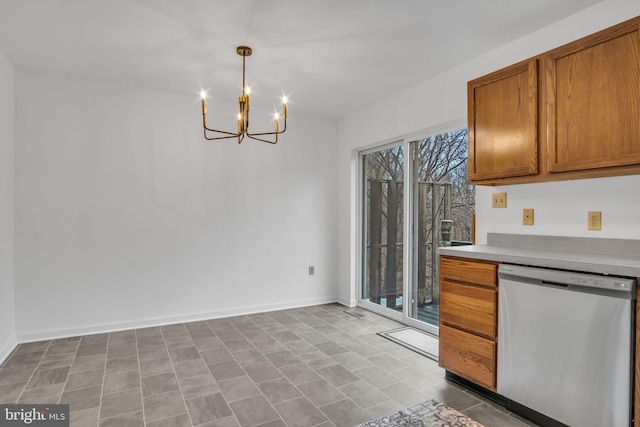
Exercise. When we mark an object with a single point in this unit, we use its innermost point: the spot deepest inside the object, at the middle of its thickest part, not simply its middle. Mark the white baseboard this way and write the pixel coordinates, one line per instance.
(347, 302)
(51, 334)
(6, 350)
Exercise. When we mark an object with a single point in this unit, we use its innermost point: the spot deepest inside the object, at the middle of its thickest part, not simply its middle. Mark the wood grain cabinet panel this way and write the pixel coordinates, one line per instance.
(469, 319)
(469, 271)
(471, 308)
(469, 356)
(593, 101)
(503, 132)
(570, 113)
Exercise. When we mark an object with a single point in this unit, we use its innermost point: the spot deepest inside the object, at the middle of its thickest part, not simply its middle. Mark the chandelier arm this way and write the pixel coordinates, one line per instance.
(234, 134)
(264, 140)
(263, 133)
(269, 133)
(220, 137)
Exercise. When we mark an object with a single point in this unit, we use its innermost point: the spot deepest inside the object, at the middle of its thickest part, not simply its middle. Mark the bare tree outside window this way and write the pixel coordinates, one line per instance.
(384, 179)
(443, 215)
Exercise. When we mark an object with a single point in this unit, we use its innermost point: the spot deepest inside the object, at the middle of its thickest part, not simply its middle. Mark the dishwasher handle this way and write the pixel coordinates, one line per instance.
(554, 284)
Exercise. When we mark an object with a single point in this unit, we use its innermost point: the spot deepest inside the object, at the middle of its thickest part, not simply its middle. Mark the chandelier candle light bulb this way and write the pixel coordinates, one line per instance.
(284, 106)
(243, 115)
(203, 94)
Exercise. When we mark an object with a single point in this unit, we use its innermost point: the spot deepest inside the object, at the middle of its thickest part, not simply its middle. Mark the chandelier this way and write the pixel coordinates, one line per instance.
(243, 114)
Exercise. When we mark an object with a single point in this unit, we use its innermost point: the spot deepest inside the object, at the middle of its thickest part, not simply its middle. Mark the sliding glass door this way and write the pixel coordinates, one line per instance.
(382, 282)
(409, 209)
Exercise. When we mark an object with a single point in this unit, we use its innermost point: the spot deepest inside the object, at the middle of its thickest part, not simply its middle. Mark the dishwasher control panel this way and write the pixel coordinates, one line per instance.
(567, 278)
(601, 282)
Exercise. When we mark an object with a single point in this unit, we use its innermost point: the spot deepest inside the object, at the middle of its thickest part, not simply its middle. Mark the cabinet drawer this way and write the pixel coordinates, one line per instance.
(469, 307)
(478, 273)
(469, 356)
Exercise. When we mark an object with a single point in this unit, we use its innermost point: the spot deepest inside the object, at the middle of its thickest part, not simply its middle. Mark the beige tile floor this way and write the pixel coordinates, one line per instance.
(312, 366)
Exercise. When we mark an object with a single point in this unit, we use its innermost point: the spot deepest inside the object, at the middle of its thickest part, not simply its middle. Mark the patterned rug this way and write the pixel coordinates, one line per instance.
(426, 414)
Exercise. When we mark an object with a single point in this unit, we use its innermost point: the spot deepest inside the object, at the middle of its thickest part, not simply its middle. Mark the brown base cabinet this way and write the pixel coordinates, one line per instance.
(468, 340)
(469, 356)
(469, 319)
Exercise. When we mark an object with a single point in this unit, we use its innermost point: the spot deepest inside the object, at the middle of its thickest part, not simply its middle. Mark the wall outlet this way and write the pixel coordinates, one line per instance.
(527, 216)
(499, 200)
(312, 270)
(594, 220)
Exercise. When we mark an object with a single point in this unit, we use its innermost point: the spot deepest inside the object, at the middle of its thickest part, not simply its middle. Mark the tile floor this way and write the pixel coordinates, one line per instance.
(312, 366)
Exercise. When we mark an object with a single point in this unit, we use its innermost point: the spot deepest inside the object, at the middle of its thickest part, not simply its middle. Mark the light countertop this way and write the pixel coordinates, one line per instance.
(617, 257)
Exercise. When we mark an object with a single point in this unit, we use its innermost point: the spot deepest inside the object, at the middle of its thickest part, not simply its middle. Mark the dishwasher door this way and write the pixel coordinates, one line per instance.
(566, 351)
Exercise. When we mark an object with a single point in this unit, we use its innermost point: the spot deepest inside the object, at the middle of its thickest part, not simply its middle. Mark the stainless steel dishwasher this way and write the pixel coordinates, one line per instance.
(565, 344)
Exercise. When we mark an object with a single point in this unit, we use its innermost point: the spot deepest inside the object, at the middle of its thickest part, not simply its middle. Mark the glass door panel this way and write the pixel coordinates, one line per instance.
(443, 206)
(383, 205)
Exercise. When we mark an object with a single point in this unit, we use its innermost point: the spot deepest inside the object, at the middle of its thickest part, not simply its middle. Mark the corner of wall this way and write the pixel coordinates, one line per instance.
(8, 340)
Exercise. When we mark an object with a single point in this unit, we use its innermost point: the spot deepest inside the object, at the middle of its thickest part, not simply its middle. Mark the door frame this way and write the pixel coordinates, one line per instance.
(376, 308)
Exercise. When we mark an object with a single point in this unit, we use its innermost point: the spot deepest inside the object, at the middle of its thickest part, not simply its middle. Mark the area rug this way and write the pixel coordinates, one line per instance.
(426, 414)
(414, 339)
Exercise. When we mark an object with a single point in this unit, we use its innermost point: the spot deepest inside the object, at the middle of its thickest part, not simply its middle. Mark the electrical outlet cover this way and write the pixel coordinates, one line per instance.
(527, 217)
(594, 220)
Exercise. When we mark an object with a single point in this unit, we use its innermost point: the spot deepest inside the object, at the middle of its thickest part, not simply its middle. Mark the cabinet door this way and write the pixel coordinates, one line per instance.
(469, 356)
(503, 134)
(593, 101)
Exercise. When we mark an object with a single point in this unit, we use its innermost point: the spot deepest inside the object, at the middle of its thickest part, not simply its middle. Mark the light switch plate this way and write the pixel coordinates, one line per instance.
(499, 200)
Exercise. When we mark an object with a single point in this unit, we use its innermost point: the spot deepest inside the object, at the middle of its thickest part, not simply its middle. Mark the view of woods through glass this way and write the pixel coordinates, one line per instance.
(443, 204)
(383, 223)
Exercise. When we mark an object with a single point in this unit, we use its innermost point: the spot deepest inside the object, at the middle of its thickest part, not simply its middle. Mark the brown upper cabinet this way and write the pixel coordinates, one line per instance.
(503, 129)
(573, 112)
(593, 101)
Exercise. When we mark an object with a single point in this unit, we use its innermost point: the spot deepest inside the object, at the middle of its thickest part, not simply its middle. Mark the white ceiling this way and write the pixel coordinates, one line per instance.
(330, 56)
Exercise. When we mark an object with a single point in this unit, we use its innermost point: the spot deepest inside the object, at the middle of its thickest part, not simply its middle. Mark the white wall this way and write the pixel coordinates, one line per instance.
(560, 208)
(125, 216)
(7, 300)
